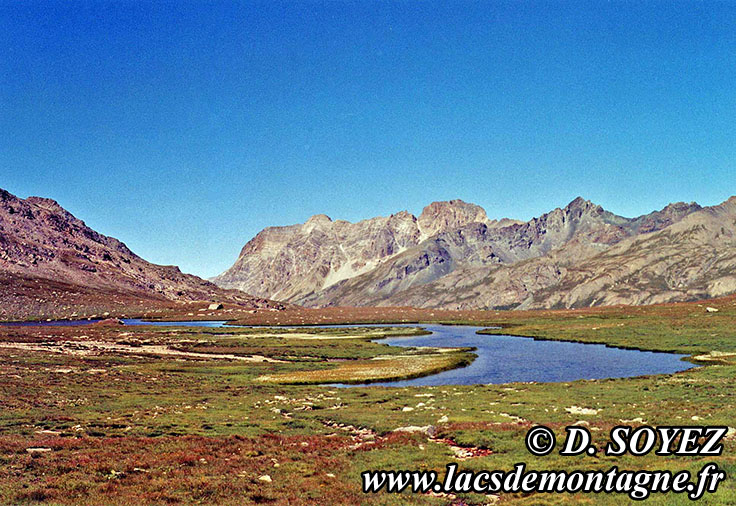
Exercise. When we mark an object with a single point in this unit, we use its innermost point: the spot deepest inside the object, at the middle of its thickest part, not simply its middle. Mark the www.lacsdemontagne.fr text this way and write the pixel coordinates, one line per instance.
(638, 485)
(704, 441)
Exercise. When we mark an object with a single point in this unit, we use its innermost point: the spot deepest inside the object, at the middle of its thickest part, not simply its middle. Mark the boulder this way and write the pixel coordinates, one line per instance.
(215, 306)
(428, 430)
(38, 450)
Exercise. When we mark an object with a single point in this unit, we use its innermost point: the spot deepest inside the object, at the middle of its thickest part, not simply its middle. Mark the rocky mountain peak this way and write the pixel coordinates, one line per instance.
(578, 201)
(403, 215)
(445, 215)
(728, 206)
(318, 221)
(49, 204)
(6, 195)
(581, 205)
(677, 206)
(567, 219)
(319, 218)
(679, 209)
(670, 214)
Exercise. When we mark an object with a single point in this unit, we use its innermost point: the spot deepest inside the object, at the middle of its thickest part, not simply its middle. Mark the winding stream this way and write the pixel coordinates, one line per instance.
(502, 358)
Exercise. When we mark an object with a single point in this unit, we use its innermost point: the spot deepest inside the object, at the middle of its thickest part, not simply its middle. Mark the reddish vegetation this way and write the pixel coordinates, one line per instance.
(223, 470)
(25, 297)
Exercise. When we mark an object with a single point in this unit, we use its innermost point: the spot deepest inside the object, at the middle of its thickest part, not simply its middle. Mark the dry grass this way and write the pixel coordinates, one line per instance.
(377, 369)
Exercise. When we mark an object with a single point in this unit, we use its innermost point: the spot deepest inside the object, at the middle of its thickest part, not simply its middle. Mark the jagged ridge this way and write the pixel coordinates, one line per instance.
(452, 256)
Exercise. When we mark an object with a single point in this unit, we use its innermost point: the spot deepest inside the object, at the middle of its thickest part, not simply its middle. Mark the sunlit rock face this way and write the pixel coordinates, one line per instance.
(453, 256)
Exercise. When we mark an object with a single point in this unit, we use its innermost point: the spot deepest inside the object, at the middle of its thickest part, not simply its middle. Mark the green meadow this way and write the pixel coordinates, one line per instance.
(141, 427)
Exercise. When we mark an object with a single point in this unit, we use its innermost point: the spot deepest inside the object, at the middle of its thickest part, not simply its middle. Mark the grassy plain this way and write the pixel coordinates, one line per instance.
(81, 424)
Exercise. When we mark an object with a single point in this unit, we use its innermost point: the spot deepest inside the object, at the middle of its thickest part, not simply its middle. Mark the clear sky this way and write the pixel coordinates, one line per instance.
(185, 128)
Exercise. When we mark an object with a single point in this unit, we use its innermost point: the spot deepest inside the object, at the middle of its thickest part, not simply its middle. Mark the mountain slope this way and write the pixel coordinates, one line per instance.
(41, 241)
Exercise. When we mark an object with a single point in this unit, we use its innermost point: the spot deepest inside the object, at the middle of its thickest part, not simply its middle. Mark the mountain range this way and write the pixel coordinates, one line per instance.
(452, 256)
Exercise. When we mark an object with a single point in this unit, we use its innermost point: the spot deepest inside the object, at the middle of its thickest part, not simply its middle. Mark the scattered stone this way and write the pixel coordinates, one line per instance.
(215, 306)
(462, 452)
(115, 474)
(443, 419)
(577, 410)
(515, 418)
(38, 450)
(265, 478)
(711, 309)
(714, 356)
(429, 430)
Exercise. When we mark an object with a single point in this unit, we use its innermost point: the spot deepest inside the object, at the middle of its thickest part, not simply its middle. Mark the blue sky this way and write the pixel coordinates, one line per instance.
(185, 128)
